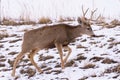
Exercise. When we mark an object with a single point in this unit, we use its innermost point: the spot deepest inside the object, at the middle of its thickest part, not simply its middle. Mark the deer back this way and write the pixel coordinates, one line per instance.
(46, 36)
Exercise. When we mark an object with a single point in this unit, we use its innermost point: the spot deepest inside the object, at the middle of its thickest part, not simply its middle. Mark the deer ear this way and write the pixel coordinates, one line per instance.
(79, 20)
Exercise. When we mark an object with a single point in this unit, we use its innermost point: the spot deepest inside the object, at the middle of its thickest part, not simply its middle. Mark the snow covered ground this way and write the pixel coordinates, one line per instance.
(92, 58)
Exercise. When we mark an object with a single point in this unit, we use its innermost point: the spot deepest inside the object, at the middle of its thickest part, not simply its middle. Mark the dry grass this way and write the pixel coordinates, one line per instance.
(3, 34)
(7, 21)
(44, 58)
(108, 61)
(27, 23)
(113, 69)
(29, 72)
(44, 20)
(15, 22)
(87, 66)
(115, 22)
(95, 59)
(63, 19)
(80, 57)
(70, 63)
(25, 20)
(83, 78)
(102, 22)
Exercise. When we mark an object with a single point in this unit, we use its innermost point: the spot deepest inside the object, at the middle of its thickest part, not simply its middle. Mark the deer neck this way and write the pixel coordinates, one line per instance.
(74, 33)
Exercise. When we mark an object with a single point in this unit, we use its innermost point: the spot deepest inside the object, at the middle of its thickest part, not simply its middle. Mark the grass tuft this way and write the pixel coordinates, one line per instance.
(44, 20)
(63, 19)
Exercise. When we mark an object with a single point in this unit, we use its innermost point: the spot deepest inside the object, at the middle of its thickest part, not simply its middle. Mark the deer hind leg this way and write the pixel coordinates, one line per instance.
(20, 55)
(69, 52)
(59, 47)
(31, 56)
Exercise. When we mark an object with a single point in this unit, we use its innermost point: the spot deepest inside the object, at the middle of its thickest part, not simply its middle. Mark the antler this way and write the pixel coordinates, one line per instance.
(84, 12)
(92, 12)
(91, 16)
(98, 17)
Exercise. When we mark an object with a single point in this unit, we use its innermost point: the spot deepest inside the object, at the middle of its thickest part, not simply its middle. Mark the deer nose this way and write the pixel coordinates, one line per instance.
(93, 35)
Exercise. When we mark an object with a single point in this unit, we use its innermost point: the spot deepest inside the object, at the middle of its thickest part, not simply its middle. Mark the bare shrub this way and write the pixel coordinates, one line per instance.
(29, 72)
(7, 21)
(108, 61)
(70, 63)
(44, 58)
(63, 19)
(3, 35)
(14, 22)
(113, 69)
(44, 20)
(80, 57)
(87, 66)
(95, 59)
(115, 22)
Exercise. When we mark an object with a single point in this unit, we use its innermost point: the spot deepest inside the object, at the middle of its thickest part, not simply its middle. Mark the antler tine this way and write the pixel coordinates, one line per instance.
(92, 12)
(84, 13)
(98, 17)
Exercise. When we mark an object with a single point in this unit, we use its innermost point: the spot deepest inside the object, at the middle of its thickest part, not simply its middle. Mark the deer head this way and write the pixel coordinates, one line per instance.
(85, 22)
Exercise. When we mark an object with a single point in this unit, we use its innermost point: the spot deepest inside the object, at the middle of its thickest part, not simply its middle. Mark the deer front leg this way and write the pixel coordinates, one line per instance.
(31, 56)
(59, 47)
(69, 52)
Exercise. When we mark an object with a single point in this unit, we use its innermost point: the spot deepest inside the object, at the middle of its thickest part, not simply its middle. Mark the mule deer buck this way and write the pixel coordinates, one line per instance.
(59, 36)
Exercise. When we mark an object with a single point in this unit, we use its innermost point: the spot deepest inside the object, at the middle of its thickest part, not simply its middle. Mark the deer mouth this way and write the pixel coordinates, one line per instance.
(93, 35)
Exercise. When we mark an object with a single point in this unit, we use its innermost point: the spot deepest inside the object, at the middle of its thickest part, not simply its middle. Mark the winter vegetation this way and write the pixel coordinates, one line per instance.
(92, 58)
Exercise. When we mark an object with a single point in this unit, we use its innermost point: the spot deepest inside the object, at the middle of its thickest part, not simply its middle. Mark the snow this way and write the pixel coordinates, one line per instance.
(104, 47)
(71, 72)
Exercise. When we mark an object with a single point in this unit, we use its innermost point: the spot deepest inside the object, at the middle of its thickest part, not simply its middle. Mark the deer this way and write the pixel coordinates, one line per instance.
(52, 36)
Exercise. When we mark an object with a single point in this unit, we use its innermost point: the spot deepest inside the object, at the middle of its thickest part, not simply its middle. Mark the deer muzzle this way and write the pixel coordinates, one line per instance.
(93, 35)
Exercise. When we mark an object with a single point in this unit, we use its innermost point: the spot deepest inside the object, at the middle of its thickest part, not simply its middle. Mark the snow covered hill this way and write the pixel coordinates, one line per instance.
(92, 58)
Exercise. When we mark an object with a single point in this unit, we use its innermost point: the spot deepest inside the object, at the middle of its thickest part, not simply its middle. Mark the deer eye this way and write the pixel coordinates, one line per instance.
(88, 28)
(85, 23)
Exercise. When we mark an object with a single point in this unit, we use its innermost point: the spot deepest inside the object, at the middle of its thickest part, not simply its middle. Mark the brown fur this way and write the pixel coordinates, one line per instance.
(59, 35)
